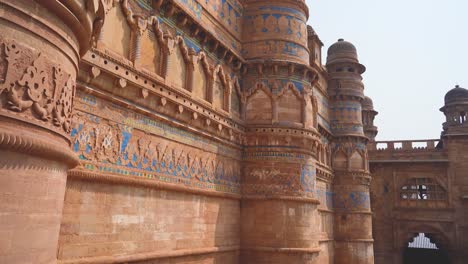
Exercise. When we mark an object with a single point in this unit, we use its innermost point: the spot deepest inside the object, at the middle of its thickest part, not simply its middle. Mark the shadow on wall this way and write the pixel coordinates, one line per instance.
(102, 220)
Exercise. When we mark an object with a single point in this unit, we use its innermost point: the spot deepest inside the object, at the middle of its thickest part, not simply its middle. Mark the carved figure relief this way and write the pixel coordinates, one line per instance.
(35, 86)
(118, 146)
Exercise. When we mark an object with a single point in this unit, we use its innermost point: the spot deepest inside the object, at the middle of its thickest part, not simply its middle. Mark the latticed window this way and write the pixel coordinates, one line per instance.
(422, 189)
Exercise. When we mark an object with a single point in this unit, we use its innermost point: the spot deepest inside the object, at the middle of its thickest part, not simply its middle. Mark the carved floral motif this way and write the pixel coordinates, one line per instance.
(35, 86)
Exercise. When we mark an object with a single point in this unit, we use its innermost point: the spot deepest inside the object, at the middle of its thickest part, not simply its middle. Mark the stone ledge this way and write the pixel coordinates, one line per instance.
(150, 256)
(79, 174)
(362, 240)
(281, 197)
(315, 250)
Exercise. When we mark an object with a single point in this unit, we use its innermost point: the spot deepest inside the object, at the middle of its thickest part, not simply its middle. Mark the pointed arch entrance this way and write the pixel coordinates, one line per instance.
(427, 248)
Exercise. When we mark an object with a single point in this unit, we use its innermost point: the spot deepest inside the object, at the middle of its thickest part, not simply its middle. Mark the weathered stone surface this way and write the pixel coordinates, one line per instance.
(160, 131)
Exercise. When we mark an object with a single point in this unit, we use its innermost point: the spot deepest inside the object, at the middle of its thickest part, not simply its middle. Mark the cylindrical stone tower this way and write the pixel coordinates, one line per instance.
(455, 142)
(353, 219)
(280, 222)
(41, 43)
(368, 116)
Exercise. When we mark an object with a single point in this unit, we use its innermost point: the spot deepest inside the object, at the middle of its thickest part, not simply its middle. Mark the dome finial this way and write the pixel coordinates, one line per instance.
(340, 39)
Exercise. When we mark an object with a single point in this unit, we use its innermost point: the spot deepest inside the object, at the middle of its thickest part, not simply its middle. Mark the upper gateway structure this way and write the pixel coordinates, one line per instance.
(209, 131)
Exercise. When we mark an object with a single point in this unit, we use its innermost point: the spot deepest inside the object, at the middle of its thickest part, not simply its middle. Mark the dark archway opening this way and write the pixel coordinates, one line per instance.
(422, 250)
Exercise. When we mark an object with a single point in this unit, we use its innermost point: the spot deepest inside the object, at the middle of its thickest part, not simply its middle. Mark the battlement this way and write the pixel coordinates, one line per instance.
(405, 145)
(427, 150)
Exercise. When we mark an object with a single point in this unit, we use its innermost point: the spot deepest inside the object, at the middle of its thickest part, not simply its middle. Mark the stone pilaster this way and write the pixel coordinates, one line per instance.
(41, 43)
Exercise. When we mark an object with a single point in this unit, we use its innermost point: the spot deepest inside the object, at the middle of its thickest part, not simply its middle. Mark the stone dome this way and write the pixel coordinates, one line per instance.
(342, 46)
(457, 94)
(343, 51)
(367, 104)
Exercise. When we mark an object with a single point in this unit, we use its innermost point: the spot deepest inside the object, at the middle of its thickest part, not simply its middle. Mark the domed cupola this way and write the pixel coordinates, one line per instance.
(367, 104)
(344, 51)
(456, 95)
(456, 111)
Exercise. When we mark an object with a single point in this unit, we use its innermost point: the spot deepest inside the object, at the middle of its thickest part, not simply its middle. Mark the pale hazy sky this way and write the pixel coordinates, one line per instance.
(414, 51)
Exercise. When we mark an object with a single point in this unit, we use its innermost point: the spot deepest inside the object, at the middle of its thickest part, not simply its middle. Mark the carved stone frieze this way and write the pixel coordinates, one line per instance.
(35, 88)
(117, 148)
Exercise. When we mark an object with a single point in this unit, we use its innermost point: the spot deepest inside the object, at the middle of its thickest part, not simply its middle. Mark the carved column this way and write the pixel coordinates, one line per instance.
(353, 217)
(41, 43)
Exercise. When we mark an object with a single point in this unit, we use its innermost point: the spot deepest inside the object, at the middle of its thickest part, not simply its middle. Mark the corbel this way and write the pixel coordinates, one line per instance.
(195, 31)
(204, 40)
(183, 21)
(163, 101)
(95, 72)
(306, 72)
(291, 69)
(229, 59)
(215, 46)
(180, 109)
(220, 127)
(194, 116)
(223, 54)
(275, 69)
(121, 83)
(207, 122)
(260, 69)
(144, 93)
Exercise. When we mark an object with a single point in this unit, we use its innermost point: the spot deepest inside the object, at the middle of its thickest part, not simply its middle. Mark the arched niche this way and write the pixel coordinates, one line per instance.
(220, 90)
(116, 32)
(201, 77)
(177, 72)
(289, 105)
(259, 106)
(236, 102)
(340, 160)
(356, 161)
(153, 56)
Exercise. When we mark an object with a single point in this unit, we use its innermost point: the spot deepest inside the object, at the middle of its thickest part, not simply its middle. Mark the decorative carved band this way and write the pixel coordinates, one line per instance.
(28, 142)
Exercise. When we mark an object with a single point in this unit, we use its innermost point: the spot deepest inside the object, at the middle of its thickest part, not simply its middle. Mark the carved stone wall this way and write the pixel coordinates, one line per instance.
(41, 43)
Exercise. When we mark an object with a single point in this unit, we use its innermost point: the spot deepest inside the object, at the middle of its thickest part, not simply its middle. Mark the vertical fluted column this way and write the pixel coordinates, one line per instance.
(41, 43)
(353, 219)
(280, 222)
(138, 25)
